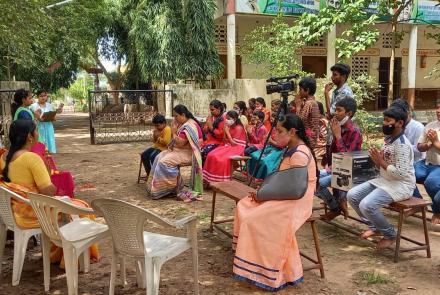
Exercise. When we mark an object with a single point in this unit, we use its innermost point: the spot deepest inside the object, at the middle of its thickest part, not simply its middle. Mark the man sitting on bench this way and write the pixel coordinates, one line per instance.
(428, 170)
(396, 181)
(346, 138)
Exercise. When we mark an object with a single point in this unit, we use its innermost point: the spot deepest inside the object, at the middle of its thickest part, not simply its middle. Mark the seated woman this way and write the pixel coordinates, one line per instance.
(183, 150)
(20, 108)
(24, 171)
(240, 108)
(271, 156)
(62, 180)
(161, 138)
(260, 105)
(266, 250)
(256, 133)
(217, 166)
(213, 128)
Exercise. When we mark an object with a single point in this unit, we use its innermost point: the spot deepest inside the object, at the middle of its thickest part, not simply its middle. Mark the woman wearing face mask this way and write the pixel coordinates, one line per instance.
(240, 108)
(45, 128)
(217, 166)
(214, 128)
(396, 181)
(264, 232)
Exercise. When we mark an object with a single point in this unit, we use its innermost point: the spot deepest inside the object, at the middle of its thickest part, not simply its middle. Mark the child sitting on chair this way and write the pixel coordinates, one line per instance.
(396, 181)
(161, 139)
(256, 132)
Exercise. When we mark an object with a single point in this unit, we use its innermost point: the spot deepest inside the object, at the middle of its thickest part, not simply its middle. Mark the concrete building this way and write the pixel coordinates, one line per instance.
(416, 55)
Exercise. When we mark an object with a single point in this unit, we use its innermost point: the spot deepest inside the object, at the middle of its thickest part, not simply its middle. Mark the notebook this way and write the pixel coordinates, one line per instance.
(48, 116)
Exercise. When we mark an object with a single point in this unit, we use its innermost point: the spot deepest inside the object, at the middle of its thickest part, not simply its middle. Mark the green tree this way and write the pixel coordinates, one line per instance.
(274, 50)
(361, 32)
(201, 53)
(174, 39)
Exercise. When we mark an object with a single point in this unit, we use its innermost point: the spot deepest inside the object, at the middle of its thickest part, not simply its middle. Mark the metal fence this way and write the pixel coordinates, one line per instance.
(123, 115)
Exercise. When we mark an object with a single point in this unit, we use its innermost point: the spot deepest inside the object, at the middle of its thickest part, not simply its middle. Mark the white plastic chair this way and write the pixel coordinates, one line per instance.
(150, 250)
(21, 236)
(74, 237)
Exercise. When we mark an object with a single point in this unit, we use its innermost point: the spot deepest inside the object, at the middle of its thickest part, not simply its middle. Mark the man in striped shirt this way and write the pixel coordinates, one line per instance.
(346, 138)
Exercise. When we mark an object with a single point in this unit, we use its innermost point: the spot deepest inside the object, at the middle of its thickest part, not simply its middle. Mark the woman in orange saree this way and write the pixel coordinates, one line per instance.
(24, 171)
(266, 250)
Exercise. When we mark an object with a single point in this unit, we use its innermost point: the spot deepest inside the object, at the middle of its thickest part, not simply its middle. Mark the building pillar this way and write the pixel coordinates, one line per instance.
(412, 65)
(331, 50)
(231, 58)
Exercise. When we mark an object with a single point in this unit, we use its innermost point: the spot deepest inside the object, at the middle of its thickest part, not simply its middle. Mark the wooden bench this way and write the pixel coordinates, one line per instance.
(405, 209)
(236, 191)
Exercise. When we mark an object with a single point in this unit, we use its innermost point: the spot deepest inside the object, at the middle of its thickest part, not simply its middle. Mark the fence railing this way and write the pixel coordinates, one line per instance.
(123, 115)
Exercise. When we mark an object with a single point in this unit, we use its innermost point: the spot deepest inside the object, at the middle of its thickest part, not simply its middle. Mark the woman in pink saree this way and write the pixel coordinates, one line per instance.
(62, 180)
(266, 250)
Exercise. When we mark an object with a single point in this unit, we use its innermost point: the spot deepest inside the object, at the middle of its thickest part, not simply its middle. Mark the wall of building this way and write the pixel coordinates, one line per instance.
(197, 100)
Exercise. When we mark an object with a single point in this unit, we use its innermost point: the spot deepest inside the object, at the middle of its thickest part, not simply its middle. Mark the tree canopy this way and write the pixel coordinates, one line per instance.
(157, 40)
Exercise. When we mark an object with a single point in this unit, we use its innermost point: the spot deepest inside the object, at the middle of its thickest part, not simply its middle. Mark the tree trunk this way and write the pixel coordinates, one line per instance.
(392, 58)
(8, 68)
(115, 85)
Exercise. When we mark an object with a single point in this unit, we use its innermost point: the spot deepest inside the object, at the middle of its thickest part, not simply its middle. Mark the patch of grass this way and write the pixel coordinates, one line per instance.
(204, 216)
(373, 278)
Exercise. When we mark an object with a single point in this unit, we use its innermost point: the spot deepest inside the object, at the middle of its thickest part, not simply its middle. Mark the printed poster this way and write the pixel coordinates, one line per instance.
(272, 7)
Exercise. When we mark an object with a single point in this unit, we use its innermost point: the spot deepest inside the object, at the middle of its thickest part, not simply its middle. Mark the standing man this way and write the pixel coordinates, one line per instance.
(428, 170)
(340, 74)
(307, 108)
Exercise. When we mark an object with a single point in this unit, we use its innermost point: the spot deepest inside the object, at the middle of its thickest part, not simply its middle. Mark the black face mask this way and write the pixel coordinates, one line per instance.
(388, 129)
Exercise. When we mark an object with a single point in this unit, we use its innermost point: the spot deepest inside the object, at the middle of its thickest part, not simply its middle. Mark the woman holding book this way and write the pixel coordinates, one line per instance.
(44, 113)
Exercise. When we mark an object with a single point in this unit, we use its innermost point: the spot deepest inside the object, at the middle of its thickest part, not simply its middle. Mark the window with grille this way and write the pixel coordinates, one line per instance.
(360, 65)
(220, 34)
(387, 39)
(318, 43)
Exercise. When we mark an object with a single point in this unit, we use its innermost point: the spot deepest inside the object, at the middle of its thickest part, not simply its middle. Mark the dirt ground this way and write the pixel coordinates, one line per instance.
(110, 171)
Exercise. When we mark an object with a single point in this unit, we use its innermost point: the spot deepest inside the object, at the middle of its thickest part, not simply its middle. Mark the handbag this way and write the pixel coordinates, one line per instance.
(289, 184)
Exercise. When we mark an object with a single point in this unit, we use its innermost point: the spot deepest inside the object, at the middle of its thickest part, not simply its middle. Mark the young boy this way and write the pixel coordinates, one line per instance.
(256, 133)
(307, 108)
(161, 139)
(396, 181)
(346, 138)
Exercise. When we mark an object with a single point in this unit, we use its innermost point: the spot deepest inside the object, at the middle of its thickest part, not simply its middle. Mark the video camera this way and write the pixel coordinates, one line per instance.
(281, 84)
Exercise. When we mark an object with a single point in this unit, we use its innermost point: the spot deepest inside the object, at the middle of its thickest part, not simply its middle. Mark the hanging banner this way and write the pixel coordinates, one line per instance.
(421, 11)
(427, 12)
(272, 7)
